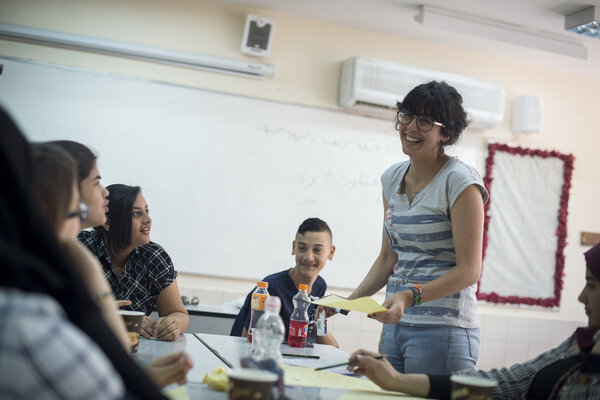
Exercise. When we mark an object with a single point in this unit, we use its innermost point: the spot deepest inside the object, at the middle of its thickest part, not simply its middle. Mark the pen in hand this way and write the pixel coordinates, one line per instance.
(341, 311)
(377, 357)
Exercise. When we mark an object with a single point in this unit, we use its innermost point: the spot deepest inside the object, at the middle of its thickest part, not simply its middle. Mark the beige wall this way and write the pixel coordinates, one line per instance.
(307, 55)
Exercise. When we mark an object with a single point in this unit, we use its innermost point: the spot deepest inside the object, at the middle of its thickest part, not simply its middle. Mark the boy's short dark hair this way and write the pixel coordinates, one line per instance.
(314, 225)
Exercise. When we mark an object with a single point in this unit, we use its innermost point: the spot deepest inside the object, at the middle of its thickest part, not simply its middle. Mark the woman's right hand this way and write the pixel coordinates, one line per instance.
(396, 304)
(381, 372)
(147, 327)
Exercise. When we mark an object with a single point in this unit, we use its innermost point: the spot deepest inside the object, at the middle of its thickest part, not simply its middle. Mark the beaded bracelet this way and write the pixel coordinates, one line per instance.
(414, 292)
(418, 292)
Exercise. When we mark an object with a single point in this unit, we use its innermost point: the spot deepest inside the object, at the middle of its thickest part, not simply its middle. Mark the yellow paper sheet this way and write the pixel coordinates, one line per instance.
(362, 304)
(304, 376)
(179, 393)
(356, 395)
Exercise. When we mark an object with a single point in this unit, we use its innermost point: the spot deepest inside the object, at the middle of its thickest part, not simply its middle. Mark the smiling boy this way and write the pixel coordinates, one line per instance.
(312, 249)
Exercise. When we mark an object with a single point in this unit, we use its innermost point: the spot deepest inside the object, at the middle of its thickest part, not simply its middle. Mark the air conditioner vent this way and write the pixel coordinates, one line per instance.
(371, 87)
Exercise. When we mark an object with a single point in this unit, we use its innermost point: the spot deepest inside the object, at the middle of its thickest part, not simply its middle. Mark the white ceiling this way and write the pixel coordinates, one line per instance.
(397, 17)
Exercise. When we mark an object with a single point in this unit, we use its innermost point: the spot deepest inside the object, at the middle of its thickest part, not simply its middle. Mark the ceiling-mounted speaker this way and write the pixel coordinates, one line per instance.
(527, 114)
(258, 34)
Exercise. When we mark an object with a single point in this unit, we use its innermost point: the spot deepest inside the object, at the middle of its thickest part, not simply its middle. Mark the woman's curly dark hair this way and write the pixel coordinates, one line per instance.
(441, 102)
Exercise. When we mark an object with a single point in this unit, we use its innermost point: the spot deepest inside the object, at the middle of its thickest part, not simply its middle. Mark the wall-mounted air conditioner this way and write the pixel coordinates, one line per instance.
(371, 87)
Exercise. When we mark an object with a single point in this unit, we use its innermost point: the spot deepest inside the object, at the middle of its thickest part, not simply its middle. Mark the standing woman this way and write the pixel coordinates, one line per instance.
(138, 270)
(571, 370)
(430, 255)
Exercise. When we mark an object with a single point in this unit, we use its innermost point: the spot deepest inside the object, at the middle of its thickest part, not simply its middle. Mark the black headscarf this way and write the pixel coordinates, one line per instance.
(585, 336)
(31, 259)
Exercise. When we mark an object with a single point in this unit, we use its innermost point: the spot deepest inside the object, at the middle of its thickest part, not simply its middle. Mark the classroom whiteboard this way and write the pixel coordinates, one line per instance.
(228, 178)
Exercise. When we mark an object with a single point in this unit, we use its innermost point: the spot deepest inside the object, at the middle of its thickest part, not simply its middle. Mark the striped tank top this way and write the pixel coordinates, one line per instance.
(421, 234)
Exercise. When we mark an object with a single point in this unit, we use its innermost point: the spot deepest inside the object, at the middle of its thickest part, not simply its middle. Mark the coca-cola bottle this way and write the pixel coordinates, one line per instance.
(299, 319)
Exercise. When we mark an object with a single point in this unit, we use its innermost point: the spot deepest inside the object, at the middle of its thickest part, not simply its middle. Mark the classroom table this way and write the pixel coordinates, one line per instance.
(232, 349)
(209, 318)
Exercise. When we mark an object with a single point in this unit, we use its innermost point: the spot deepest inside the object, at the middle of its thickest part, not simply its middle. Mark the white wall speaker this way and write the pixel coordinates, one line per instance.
(527, 114)
(258, 34)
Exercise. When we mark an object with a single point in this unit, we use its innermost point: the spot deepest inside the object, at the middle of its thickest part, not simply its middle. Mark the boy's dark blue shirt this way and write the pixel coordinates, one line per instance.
(281, 285)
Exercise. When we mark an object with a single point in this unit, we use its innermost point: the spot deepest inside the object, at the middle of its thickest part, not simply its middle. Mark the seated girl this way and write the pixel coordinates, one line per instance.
(56, 190)
(137, 269)
(55, 187)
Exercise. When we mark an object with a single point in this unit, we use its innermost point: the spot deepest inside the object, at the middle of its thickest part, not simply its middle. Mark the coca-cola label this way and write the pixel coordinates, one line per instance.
(299, 331)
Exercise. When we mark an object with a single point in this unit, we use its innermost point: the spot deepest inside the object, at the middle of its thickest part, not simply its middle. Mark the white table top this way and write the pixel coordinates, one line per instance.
(235, 348)
(232, 349)
(224, 310)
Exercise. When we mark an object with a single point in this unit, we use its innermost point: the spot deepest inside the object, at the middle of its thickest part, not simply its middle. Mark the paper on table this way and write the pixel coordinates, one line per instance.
(362, 304)
(356, 395)
(179, 393)
(304, 376)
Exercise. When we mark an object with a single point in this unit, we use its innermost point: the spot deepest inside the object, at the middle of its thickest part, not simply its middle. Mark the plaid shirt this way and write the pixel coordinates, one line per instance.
(515, 382)
(44, 356)
(146, 273)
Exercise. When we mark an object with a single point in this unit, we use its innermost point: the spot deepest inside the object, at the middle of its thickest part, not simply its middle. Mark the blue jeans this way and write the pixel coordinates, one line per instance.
(430, 349)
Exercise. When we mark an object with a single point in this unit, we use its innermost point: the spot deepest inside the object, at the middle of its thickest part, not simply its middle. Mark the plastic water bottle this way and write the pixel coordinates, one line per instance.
(257, 306)
(299, 320)
(269, 332)
(322, 324)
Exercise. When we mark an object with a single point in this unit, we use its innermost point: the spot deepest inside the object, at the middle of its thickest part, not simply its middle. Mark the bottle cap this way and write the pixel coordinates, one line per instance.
(261, 284)
(322, 314)
(302, 286)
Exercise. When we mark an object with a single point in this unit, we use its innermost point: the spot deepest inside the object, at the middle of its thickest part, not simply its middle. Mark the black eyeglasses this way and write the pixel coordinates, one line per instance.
(424, 123)
(82, 212)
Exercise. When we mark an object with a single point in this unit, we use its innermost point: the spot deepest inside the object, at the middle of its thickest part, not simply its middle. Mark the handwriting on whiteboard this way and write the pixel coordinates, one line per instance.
(298, 136)
(331, 181)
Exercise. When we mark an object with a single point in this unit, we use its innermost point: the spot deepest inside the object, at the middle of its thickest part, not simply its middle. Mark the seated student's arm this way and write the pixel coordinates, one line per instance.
(243, 317)
(174, 318)
(328, 339)
(170, 368)
(93, 277)
(385, 376)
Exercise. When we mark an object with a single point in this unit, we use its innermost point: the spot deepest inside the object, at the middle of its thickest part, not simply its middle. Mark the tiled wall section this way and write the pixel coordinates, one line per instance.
(505, 340)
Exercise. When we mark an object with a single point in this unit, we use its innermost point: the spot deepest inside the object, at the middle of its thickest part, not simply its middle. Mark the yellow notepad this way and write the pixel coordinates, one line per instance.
(362, 304)
(357, 395)
(305, 376)
(179, 393)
